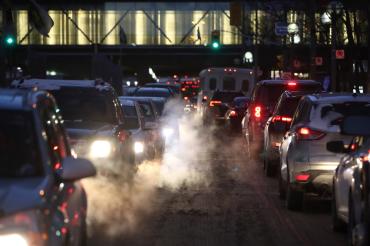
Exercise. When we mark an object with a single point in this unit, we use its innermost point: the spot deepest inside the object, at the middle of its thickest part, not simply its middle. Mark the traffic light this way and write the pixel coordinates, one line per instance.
(215, 40)
(9, 40)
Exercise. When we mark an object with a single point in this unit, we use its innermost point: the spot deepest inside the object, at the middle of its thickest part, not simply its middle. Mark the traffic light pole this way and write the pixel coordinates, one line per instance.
(333, 76)
(256, 60)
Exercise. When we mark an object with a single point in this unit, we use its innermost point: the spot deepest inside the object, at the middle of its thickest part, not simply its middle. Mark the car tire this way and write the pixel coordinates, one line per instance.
(294, 199)
(337, 224)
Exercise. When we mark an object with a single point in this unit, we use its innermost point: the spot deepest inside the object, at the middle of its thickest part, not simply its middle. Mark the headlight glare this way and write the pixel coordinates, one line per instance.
(167, 132)
(101, 149)
(13, 240)
(138, 147)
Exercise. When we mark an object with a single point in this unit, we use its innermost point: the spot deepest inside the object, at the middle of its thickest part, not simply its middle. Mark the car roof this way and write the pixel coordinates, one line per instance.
(55, 84)
(161, 85)
(338, 97)
(282, 81)
(134, 98)
(18, 99)
(154, 89)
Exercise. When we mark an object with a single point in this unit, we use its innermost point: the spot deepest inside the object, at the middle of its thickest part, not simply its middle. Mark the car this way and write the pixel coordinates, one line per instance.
(151, 124)
(219, 104)
(235, 114)
(175, 89)
(43, 201)
(153, 92)
(135, 124)
(351, 181)
(276, 127)
(264, 98)
(306, 166)
(94, 121)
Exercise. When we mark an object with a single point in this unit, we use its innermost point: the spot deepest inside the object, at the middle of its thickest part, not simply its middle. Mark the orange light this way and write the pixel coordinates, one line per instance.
(214, 103)
(286, 119)
(205, 98)
(304, 131)
(55, 148)
(183, 89)
(302, 177)
(257, 112)
(186, 98)
(233, 113)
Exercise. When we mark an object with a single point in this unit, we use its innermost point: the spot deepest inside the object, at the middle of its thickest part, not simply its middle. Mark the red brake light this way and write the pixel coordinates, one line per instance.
(306, 133)
(257, 111)
(281, 118)
(214, 103)
(233, 113)
(122, 135)
(292, 83)
(302, 177)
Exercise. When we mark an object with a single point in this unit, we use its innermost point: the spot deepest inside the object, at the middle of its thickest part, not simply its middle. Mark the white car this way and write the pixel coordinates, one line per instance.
(306, 166)
(351, 182)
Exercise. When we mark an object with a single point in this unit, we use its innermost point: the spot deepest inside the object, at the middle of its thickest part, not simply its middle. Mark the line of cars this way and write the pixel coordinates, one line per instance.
(317, 145)
(54, 133)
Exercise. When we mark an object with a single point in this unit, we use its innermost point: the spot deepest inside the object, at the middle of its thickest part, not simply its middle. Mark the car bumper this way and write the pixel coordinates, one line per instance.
(319, 183)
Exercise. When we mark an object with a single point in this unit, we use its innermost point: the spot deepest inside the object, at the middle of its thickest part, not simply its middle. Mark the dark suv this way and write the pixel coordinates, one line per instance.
(276, 127)
(42, 200)
(265, 95)
(94, 121)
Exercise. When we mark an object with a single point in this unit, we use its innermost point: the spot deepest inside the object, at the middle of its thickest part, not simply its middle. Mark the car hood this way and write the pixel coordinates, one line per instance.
(81, 130)
(21, 194)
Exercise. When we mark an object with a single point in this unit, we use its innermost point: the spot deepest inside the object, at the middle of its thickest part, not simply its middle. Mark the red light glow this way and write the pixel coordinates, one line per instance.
(257, 112)
(304, 131)
(57, 166)
(233, 113)
(292, 83)
(302, 177)
(214, 103)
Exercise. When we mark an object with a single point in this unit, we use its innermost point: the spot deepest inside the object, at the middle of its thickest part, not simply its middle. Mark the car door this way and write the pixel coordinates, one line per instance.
(68, 203)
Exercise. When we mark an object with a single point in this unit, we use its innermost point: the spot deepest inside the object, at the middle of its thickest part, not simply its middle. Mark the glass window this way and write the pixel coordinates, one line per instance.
(19, 149)
(228, 83)
(129, 111)
(245, 85)
(212, 84)
(147, 111)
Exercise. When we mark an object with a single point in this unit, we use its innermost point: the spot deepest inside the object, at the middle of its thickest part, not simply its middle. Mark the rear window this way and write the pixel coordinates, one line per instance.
(212, 84)
(228, 83)
(245, 85)
(270, 93)
(129, 111)
(340, 110)
(152, 93)
(288, 106)
(226, 96)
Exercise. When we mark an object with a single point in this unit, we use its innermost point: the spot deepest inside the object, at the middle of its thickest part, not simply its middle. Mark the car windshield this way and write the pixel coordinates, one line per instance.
(85, 104)
(240, 102)
(159, 105)
(226, 96)
(288, 106)
(152, 93)
(270, 93)
(147, 111)
(19, 152)
(129, 111)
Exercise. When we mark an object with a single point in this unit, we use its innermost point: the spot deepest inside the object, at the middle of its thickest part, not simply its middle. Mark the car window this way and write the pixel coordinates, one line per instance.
(228, 83)
(287, 106)
(245, 85)
(147, 110)
(56, 140)
(226, 96)
(19, 148)
(212, 84)
(76, 104)
(129, 111)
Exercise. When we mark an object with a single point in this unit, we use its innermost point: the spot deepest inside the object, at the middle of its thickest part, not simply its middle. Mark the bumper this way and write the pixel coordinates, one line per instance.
(318, 184)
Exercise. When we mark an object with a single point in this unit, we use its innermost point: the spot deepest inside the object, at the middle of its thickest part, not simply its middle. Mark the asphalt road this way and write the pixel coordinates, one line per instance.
(237, 205)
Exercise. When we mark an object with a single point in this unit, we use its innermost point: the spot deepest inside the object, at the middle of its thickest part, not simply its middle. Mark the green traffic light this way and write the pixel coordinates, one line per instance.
(9, 40)
(215, 45)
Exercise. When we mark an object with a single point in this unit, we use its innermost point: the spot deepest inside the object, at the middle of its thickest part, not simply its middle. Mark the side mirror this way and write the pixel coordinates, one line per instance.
(150, 125)
(336, 147)
(76, 168)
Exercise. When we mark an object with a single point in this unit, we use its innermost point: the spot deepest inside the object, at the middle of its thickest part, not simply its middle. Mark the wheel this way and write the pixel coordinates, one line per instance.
(282, 190)
(337, 224)
(294, 199)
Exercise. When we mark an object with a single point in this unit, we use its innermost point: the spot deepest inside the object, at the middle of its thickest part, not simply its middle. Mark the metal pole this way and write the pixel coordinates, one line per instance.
(313, 40)
(333, 50)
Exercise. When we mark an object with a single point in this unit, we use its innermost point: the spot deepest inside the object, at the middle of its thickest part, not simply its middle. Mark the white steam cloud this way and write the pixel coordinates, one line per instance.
(116, 207)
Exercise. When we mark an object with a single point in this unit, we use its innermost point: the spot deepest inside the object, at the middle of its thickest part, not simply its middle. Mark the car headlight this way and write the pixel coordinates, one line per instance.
(167, 132)
(13, 240)
(101, 149)
(138, 147)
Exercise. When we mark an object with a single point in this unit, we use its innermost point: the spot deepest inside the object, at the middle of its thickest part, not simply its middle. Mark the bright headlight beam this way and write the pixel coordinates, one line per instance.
(13, 240)
(167, 132)
(138, 147)
(100, 149)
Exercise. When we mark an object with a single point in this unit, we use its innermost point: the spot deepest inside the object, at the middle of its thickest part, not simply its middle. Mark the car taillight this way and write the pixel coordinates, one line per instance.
(214, 103)
(233, 113)
(277, 118)
(122, 135)
(257, 111)
(305, 133)
(302, 177)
